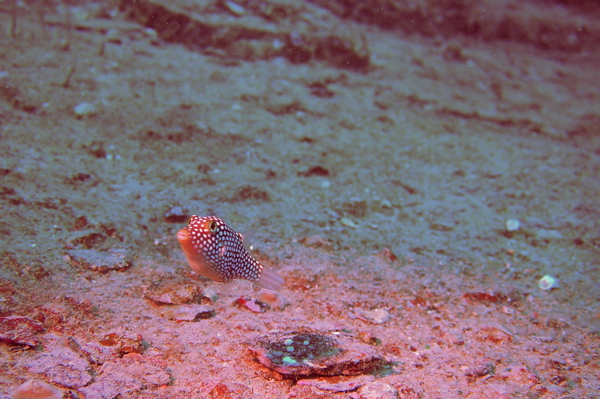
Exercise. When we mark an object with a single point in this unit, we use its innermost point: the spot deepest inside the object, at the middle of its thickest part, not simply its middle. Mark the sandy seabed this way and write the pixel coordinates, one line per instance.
(376, 173)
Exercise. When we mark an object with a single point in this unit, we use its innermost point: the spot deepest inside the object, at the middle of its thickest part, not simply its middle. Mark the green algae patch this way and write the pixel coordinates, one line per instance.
(302, 348)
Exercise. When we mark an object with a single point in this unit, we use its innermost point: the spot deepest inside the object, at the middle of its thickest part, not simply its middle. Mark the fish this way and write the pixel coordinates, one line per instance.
(215, 250)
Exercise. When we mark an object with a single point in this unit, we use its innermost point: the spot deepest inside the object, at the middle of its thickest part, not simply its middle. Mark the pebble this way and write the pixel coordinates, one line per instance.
(375, 316)
(348, 222)
(273, 298)
(251, 304)
(377, 390)
(187, 312)
(512, 225)
(84, 109)
(36, 389)
(124, 342)
(548, 282)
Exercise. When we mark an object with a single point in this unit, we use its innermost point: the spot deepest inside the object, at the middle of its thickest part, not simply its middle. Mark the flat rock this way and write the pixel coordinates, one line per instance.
(62, 366)
(338, 384)
(120, 377)
(20, 330)
(190, 312)
(308, 352)
(99, 261)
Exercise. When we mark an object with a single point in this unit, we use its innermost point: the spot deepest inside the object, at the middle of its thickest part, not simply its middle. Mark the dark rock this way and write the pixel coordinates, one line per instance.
(313, 353)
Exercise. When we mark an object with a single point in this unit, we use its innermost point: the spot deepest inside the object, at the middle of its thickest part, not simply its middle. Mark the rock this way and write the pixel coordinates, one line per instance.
(187, 312)
(62, 366)
(310, 352)
(174, 292)
(251, 304)
(35, 389)
(99, 261)
(493, 334)
(378, 390)
(84, 109)
(338, 384)
(124, 342)
(375, 316)
(88, 238)
(272, 298)
(176, 215)
(548, 282)
(230, 390)
(20, 330)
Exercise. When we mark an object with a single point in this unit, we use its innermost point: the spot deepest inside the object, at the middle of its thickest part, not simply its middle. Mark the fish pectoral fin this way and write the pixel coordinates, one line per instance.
(269, 279)
(231, 287)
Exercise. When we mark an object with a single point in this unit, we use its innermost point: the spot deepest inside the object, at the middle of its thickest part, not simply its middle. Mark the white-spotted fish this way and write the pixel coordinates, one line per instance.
(215, 250)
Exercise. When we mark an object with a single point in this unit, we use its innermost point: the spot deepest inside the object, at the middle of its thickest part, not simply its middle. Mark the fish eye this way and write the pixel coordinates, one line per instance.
(213, 226)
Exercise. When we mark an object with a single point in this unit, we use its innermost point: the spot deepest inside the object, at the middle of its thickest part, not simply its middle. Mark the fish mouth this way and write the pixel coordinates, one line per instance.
(183, 236)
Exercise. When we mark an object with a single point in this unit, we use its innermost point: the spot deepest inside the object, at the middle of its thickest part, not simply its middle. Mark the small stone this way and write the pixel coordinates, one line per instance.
(377, 390)
(375, 316)
(84, 109)
(512, 225)
(38, 390)
(273, 298)
(348, 222)
(209, 295)
(251, 304)
(548, 282)
(235, 8)
(99, 261)
(187, 312)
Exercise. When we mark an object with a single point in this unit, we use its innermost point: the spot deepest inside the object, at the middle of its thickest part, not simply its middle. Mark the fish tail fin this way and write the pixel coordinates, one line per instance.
(269, 279)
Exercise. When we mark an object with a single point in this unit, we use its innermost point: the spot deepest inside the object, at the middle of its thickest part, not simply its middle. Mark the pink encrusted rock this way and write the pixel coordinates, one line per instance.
(20, 330)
